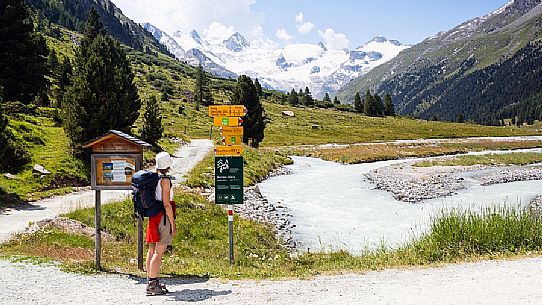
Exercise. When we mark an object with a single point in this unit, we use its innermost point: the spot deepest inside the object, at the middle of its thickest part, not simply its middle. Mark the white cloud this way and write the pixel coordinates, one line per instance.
(283, 34)
(334, 40)
(218, 31)
(302, 26)
(186, 15)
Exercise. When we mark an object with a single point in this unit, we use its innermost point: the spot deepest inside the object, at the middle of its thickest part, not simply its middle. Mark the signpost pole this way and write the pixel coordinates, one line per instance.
(230, 232)
(140, 242)
(98, 220)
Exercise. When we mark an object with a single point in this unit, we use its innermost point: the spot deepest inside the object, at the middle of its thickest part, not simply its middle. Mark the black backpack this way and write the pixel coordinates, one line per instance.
(144, 184)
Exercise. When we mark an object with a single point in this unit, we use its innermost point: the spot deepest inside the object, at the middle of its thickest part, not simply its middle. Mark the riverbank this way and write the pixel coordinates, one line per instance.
(409, 183)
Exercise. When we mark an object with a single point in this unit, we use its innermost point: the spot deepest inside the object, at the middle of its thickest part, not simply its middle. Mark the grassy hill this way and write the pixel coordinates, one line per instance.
(438, 69)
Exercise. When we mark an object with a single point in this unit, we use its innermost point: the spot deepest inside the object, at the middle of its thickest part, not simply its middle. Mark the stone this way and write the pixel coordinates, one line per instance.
(288, 113)
(40, 169)
(10, 176)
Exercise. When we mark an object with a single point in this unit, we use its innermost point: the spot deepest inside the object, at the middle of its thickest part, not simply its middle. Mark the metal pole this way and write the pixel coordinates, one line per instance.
(230, 232)
(140, 243)
(98, 220)
(211, 133)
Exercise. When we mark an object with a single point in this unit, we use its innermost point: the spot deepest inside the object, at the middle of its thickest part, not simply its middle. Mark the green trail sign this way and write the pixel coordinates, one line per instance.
(228, 180)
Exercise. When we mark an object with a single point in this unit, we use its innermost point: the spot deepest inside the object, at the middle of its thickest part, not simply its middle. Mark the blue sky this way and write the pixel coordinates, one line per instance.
(339, 22)
(408, 21)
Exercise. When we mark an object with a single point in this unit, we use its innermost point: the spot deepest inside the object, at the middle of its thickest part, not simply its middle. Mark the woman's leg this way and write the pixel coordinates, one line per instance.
(156, 260)
(150, 253)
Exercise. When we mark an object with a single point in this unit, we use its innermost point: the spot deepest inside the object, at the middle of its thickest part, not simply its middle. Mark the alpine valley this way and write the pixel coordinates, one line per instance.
(294, 66)
(485, 70)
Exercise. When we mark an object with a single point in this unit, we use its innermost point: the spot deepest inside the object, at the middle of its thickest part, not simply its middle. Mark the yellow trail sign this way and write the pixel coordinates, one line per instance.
(232, 140)
(226, 110)
(231, 131)
(226, 121)
(235, 150)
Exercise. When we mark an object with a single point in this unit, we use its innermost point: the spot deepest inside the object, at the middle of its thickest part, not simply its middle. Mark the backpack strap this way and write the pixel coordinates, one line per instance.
(170, 199)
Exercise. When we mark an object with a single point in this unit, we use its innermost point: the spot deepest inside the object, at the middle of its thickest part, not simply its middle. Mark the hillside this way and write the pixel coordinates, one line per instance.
(428, 79)
(72, 14)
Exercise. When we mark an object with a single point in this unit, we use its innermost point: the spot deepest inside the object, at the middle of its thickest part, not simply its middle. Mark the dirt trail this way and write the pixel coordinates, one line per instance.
(492, 282)
(489, 282)
(16, 219)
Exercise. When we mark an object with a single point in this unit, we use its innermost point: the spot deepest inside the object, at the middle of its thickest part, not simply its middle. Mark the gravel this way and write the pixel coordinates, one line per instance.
(491, 282)
(415, 184)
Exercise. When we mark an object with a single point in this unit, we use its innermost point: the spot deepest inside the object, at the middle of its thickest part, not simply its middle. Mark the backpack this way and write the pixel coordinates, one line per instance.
(144, 184)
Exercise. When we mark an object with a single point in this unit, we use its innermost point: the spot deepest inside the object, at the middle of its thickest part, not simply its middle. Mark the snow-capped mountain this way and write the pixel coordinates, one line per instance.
(294, 66)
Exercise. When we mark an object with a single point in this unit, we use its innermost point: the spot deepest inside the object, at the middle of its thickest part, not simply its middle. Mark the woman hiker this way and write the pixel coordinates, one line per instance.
(161, 228)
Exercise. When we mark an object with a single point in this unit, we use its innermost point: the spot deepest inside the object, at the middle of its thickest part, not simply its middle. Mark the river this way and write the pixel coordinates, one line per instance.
(335, 208)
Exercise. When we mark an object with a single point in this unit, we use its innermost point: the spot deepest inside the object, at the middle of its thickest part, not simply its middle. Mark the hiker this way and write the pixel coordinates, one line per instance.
(161, 228)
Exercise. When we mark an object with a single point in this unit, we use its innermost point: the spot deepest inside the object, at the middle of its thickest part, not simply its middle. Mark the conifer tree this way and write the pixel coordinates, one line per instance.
(152, 121)
(308, 99)
(102, 95)
(255, 120)
(202, 93)
(23, 54)
(358, 106)
(293, 98)
(378, 107)
(369, 104)
(336, 101)
(389, 109)
(326, 98)
(258, 88)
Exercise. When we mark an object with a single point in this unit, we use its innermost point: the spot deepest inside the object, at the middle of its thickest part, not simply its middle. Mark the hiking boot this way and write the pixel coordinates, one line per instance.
(154, 288)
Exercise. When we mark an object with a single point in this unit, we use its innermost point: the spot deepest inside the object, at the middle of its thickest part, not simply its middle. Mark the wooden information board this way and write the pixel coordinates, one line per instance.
(114, 171)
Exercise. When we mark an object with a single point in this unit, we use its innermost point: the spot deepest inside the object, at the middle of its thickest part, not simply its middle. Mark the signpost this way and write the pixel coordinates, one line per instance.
(229, 161)
(115, 157)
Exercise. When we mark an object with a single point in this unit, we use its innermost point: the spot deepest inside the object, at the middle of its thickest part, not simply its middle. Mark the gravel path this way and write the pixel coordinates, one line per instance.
(492, 282)
(15, 220)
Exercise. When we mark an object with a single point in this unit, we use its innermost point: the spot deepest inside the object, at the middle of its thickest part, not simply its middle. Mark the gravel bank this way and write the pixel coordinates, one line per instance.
(492, 282)
(414, 184)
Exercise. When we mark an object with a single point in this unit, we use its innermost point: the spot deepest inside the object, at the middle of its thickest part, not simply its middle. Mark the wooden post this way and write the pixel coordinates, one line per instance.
(98, 221)
(140, 243)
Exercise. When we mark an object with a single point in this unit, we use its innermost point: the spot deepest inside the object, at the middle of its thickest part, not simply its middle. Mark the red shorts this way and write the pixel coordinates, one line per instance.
(153, 233)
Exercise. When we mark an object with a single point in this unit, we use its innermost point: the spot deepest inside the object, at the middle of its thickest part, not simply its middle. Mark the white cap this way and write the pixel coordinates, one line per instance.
(163, 160)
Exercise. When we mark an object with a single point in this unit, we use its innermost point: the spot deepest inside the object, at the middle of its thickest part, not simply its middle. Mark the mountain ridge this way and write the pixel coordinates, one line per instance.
(415, 77)
(294, 66)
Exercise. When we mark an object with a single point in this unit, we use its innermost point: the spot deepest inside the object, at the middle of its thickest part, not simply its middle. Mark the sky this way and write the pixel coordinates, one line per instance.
(338, 23)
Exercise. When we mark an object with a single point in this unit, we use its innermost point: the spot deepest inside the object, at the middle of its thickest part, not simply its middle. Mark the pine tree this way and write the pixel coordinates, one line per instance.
(255, 120)
(23, 54)
(152, 121)
(62, 81)
(293, 99)
(358, 106)
(102, 95)
(460, 118)
(202, 93)
(378, 105)
(258, 88)
(389, 109)
(336, 101)
(308, 100)
(326, 98)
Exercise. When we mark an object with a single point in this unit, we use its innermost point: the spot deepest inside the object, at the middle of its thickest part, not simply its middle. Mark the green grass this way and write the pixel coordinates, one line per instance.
(257, 166)
(343, 127)
(48, 146)
(490, 159)
(200, 247)
(353, 154)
